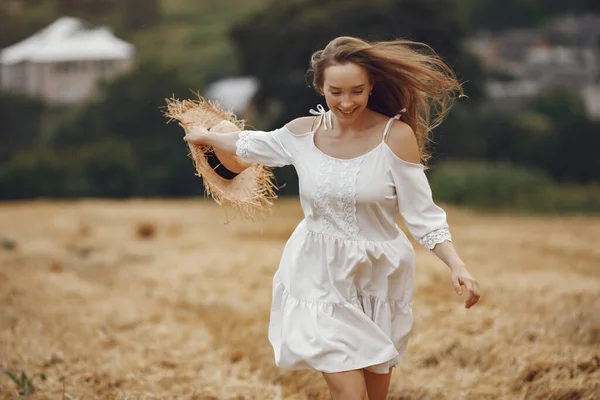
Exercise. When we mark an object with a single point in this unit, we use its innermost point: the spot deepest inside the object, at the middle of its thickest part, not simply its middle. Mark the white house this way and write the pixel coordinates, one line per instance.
(234, 93)
(63, 63)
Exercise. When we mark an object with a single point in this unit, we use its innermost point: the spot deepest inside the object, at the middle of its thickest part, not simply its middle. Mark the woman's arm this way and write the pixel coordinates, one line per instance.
(403, 143)
(460, 275)
(251, 147)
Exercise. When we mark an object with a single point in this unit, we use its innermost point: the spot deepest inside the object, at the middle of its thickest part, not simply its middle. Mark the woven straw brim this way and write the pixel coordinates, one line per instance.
(252, 191)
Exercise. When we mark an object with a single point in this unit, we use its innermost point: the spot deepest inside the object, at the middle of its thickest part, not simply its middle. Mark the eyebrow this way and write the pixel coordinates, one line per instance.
(355, 87)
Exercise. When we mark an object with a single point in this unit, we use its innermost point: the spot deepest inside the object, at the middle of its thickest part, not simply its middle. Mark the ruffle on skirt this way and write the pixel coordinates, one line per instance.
(336, 337)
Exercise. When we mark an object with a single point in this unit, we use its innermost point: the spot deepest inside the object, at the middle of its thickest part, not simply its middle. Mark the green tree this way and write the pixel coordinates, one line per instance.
(129, 108)
(18, 25)
(105, 169)
(577, 139)
(460, 136)
(129, 116)
(20, 122)
(35, 173)
(72, 7)
(497, 15)
(551, 133)
(558, 7)
(138, 14)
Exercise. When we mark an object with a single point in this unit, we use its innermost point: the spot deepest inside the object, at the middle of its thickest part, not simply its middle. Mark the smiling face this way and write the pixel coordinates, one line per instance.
(346, 88)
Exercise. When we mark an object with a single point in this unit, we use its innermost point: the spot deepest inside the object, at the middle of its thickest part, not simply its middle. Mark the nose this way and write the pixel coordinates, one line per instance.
(346, 103)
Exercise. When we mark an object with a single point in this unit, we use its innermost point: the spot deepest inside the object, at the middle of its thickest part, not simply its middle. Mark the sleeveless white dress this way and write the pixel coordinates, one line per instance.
(343, 290)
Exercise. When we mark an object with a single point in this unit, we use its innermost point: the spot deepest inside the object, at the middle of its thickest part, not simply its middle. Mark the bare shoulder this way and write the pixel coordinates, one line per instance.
(402, 141)
(301, 125)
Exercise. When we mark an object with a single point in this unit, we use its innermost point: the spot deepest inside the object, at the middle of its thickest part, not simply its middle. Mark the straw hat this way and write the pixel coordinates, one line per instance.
(251, 191)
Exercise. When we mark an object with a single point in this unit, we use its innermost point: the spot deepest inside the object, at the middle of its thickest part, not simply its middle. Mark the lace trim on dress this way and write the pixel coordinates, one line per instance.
(243, 146)
(435, 237)
(335, 200)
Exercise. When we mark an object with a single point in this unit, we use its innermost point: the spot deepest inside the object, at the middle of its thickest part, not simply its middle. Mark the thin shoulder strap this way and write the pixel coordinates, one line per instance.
(319, 120)
(389, 124)
(324, 115)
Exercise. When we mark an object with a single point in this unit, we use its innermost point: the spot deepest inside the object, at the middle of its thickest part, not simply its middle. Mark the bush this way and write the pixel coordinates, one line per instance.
(20, 124)
(505, 186)
(98, 170)
(35, 174)
(106, 169)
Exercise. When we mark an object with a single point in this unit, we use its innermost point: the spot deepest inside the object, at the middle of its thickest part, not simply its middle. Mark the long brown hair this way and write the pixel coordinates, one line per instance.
(405, 74)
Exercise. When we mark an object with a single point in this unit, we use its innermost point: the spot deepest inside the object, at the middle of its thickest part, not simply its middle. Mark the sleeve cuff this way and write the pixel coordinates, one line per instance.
(435, 237)
(243, 146)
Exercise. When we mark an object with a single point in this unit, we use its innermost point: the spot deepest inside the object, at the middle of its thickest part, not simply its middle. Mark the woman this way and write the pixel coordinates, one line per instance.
(342, 294)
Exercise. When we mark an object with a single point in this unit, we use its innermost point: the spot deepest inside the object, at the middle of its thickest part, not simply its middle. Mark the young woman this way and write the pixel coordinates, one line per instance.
(342, 294)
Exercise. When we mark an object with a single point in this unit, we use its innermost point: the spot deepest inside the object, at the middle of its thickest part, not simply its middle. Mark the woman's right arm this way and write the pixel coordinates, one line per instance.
(225, 142)
(251, 147)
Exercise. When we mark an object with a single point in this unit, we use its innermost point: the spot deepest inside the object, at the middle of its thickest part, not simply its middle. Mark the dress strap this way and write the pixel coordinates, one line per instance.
(389, 124)
(325, 116)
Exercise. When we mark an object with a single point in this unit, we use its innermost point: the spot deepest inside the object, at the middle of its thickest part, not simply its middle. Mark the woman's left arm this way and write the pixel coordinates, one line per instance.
(423, 218)
(460, 275)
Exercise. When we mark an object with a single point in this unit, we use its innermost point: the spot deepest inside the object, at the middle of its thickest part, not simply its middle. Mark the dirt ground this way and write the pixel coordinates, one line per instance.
(168, 300)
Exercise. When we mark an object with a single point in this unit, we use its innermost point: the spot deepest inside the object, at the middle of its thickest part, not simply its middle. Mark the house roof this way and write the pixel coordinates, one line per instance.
(234, 93)
(68, 39)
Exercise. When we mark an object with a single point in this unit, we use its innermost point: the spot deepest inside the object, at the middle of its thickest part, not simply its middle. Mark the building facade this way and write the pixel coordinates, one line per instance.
(64, 63)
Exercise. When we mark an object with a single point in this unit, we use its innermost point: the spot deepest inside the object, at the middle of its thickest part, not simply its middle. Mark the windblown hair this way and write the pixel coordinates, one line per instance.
(405, 74)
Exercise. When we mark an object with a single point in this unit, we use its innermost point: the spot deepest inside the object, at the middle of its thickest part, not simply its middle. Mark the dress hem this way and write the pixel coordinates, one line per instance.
(400, 356)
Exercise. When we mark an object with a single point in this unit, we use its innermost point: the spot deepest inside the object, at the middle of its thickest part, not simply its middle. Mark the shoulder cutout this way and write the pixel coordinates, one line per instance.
(302, 125)
(402, 141)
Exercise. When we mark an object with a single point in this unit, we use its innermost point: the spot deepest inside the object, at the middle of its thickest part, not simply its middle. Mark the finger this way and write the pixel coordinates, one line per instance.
(456, 285)
(472, 300)
(468, 285)
(473, 295)
(470, 290)
(476, 294)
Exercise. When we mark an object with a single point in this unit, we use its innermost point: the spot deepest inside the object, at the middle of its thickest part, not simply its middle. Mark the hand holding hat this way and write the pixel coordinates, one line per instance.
(197, 135)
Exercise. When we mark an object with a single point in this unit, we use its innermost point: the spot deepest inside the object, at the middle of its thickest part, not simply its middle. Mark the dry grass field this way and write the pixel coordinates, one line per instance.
(167, 300)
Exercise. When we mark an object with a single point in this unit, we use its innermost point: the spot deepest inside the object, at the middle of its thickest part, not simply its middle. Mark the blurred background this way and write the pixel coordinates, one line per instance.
(82, 83)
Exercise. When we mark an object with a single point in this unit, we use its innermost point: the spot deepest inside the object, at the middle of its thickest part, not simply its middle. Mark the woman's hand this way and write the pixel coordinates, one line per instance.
(197, 135)
(461, 276)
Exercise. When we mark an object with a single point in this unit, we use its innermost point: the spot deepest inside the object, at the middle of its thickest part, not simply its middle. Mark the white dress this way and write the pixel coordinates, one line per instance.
(343, 290)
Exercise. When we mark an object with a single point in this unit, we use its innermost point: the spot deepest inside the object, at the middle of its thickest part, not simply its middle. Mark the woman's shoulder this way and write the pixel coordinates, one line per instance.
(402, 142)
(301, 126)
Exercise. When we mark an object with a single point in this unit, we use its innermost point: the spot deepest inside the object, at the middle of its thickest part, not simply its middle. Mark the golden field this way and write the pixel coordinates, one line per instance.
(170, 299)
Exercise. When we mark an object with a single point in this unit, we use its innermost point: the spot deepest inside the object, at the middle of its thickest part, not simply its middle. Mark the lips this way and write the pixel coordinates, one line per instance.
(348, 112)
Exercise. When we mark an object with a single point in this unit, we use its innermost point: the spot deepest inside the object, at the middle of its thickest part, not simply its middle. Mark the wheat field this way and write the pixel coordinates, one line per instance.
(169, 299)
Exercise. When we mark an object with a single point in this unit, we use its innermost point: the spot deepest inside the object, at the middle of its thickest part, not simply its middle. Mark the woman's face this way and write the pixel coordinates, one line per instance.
(346, 88)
